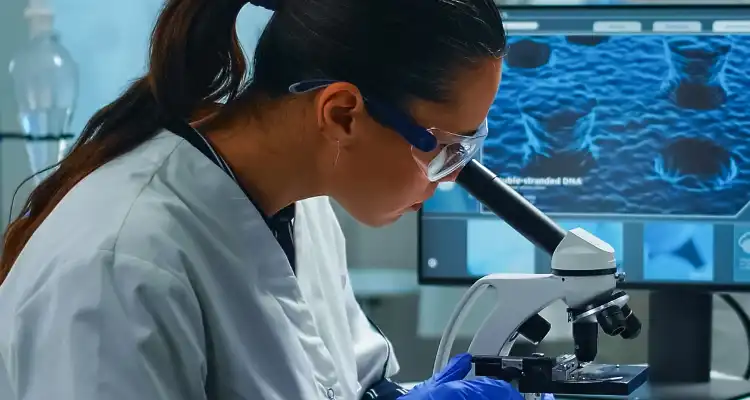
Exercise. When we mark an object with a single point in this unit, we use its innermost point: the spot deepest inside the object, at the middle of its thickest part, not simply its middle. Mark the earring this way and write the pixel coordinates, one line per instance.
(338, 152)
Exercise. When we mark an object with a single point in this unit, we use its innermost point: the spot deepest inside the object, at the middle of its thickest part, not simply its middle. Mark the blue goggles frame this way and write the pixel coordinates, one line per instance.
(387, 115)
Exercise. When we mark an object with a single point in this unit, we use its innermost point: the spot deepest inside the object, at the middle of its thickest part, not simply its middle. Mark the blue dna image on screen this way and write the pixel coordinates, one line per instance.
(638, 124)
(678, 251)
(642, 140)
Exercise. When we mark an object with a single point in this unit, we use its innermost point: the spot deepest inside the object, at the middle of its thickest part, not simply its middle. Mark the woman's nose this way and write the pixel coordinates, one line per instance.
(451, 177)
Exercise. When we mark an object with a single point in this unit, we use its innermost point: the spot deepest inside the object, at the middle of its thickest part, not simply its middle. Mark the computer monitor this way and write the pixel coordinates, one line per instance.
(634, 124)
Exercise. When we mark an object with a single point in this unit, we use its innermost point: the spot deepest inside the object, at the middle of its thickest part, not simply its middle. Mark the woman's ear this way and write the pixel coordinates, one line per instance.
(339, 108)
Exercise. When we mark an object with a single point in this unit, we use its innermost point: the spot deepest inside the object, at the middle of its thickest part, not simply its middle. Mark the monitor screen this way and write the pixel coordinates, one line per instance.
(634, 125)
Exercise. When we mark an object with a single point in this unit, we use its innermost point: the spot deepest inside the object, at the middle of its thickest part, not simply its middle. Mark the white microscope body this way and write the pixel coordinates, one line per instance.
(580, 256)
(584, 276)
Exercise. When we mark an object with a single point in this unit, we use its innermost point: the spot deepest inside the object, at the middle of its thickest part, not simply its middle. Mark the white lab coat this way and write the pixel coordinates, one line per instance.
(155, 278)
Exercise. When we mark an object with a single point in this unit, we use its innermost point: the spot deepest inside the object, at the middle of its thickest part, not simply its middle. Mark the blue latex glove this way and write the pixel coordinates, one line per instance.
(448, 384)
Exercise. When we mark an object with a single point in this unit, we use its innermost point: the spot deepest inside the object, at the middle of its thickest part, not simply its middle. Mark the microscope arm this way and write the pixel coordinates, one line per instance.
(520, 297)
(528, 295)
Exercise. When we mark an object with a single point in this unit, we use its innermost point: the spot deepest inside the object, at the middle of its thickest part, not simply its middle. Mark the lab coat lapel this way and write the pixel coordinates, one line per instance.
(321, 277)
(275, 280)
(272, 279)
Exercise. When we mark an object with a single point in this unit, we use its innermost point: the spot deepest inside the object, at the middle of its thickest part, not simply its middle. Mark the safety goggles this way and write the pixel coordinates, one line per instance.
(439, 153)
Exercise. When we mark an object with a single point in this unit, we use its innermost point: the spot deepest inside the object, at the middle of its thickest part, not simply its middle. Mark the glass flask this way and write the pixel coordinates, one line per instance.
(45, 81)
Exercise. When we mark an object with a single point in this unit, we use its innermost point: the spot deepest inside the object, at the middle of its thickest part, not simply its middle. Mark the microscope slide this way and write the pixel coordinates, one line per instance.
(645, 125)
(608, 231)
(494, 247)
(677, 251)
(742, 253)
(450, 198)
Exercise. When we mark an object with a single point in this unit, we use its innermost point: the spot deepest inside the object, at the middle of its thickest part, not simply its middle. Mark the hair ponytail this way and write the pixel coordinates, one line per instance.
(195, 58)
(195, 55)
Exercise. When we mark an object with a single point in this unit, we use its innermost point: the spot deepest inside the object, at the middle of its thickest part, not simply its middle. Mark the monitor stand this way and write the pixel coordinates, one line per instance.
(679, 350)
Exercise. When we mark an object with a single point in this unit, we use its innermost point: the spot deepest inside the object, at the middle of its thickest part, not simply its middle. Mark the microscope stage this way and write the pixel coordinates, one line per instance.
(562, 375)
(602, 380)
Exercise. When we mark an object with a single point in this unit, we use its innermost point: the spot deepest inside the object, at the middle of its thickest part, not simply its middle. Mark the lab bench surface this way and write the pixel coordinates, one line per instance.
(693, 393)
(714, 374)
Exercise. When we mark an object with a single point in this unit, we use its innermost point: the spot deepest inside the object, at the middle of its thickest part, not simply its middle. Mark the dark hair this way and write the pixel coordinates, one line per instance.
(391, 49)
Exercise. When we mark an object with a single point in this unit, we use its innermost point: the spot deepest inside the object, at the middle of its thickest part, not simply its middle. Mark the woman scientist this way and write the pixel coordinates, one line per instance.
(183, 249)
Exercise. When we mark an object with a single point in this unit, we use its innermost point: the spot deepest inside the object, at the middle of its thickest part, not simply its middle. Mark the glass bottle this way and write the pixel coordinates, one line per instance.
(45, 80)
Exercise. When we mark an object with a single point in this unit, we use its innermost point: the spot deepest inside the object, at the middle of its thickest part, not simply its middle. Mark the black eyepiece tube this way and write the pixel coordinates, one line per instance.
(507, 204)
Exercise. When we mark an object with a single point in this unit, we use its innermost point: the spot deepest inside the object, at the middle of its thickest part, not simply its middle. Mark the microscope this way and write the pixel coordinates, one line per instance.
(584, 276)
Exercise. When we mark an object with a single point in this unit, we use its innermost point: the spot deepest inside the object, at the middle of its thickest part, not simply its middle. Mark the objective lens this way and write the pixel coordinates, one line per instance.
(585, 337)
(535, 329)
(611, 320)
(632, 324)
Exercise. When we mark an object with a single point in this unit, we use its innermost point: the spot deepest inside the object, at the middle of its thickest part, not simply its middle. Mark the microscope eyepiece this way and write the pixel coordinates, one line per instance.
(612, 320)
(632, 324)
(511, 206)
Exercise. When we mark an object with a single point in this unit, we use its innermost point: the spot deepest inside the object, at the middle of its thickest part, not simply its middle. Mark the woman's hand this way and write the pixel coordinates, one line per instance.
(449, 384)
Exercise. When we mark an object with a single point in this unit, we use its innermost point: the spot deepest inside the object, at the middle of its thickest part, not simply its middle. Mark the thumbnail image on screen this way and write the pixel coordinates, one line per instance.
(450, 198)
(492, 246)
(609, 231)
(678, 251)
(741, 270)
(488, 255)
(638, 124)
